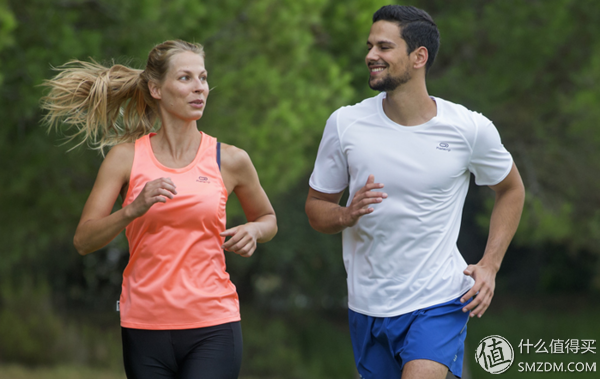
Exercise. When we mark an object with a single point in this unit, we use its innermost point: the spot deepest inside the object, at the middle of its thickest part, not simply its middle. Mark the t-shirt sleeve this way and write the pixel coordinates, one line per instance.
(330, 174)
(490, 161)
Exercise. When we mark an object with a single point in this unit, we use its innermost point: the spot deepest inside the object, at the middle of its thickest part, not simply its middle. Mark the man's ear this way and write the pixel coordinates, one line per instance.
(154, 90)
(420, 56)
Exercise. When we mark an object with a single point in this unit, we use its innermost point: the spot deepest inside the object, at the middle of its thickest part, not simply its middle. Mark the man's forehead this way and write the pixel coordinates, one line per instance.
(384, 31)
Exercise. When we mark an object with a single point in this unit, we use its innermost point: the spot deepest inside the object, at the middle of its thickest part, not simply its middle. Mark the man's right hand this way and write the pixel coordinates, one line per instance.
(361, 201)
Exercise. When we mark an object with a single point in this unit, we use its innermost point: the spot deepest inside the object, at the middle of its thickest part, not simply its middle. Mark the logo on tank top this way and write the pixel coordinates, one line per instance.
(444, 146)
(202, 179)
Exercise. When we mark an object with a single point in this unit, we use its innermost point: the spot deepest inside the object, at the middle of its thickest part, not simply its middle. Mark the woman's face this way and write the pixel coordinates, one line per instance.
(183, 92)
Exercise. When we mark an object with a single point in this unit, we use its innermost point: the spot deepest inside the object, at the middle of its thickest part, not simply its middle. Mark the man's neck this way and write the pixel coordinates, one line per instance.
(409, 105)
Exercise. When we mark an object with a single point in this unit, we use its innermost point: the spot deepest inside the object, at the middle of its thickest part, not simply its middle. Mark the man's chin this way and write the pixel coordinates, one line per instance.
(379, 85)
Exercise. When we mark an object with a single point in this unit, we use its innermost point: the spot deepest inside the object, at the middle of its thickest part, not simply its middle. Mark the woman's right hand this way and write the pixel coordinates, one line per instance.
(156, 191)
(99, 224)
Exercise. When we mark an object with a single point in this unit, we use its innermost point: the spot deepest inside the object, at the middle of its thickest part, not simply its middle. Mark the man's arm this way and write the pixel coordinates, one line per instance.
(510, 196)
(325, 214)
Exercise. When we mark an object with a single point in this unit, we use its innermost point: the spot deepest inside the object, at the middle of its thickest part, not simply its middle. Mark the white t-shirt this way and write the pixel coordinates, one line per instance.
(403, 256)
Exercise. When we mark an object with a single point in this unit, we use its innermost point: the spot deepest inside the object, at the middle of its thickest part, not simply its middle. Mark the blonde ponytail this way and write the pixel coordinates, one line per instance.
(109, 105)
(105, 105)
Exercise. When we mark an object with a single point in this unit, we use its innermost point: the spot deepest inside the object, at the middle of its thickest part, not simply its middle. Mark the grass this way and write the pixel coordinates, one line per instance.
(538, 319)
(66, 372)
(59, 372)
(278, 347)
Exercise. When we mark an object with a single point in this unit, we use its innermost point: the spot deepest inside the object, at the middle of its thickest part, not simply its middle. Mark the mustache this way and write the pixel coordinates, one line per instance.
(376, 64)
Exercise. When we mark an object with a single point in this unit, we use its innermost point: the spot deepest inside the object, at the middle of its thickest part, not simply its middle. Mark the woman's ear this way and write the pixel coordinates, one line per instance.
(154, 90)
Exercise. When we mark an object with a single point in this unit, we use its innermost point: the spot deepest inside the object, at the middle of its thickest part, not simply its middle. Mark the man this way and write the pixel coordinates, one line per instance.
(410, 292)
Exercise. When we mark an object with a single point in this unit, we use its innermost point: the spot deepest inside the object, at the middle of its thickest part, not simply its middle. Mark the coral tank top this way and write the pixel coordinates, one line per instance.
(176, 277)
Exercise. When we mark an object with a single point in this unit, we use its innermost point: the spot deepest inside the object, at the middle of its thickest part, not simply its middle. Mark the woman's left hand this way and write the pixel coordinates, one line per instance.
(243, 239)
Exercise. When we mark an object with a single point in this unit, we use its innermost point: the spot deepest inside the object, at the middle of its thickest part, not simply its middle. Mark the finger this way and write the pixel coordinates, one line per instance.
(157, 199)
(247, 250)
(365, 202)
(370, 184)
(165, 183)
(482, 299)
(370, 187)
(239, 245)
(474, 292)
(469, 270)
(229, 232)
(361, 212)
(165, 193)
(166, 180)
(230, 245)
(373, 194)
(471, 293)
(473, 304)
(480, 308)
(169, 186)
(248, 254)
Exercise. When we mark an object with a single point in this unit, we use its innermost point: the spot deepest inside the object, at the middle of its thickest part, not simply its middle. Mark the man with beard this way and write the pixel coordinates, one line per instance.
(410, 292)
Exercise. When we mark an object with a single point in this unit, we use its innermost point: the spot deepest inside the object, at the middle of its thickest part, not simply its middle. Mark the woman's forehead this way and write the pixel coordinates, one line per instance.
(186, 61)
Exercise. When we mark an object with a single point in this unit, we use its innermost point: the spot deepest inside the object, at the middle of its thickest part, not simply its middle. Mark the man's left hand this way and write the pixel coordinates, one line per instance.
(483, 289)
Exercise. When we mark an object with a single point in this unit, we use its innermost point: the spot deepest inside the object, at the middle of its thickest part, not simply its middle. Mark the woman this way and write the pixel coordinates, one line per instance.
(179, 310)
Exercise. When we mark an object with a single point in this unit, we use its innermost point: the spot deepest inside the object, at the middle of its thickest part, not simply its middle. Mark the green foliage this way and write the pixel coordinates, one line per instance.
(277, 69)
(299, 269)
(34, 333)
(58, 372)
(516, 318)
(273, 87)
(7, 25)
(533, 69)
(295, 346)
(29, 329)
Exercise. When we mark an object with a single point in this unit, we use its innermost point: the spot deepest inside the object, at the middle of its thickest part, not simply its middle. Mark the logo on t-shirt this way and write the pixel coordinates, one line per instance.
(203, 179)
(444, 146)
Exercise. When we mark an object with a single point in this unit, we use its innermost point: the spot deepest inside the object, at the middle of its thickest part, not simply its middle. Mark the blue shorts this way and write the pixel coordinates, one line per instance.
(382, 345)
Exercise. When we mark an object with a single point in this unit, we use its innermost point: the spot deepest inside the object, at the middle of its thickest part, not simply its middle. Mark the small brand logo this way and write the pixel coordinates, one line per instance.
(443, 146)
(495, 354)
(203, 179)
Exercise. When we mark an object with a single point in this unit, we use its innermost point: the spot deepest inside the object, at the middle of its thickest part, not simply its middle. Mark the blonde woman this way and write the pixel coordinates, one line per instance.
(179, 310)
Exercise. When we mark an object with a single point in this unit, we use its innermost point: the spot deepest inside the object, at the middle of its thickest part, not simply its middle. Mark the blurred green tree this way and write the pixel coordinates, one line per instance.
(7, 25)
(277, 70)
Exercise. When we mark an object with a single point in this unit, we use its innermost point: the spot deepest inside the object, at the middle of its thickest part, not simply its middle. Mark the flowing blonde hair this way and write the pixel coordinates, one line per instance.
(109, 105)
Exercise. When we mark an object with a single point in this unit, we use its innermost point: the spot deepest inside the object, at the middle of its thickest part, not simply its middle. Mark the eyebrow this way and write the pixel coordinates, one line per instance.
(189, 72)
(381, 42)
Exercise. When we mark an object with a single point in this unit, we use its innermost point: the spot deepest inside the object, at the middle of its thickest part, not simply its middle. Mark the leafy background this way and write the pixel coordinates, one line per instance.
(278, 68)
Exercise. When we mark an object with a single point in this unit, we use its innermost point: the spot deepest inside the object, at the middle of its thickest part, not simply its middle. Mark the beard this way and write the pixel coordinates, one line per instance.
(389, 83)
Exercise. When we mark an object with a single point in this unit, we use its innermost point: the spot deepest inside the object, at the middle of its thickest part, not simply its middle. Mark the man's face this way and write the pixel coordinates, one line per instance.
(388, 62)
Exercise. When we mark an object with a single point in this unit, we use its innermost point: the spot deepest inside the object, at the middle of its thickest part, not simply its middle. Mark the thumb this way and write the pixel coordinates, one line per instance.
(468, 270)
(371, 179)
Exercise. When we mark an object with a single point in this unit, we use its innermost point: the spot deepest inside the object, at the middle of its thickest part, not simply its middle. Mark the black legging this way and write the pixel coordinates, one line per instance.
(213, 352)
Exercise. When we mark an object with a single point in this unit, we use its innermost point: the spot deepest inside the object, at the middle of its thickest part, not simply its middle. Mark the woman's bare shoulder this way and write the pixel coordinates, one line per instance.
(233, 158)
(120, 159)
